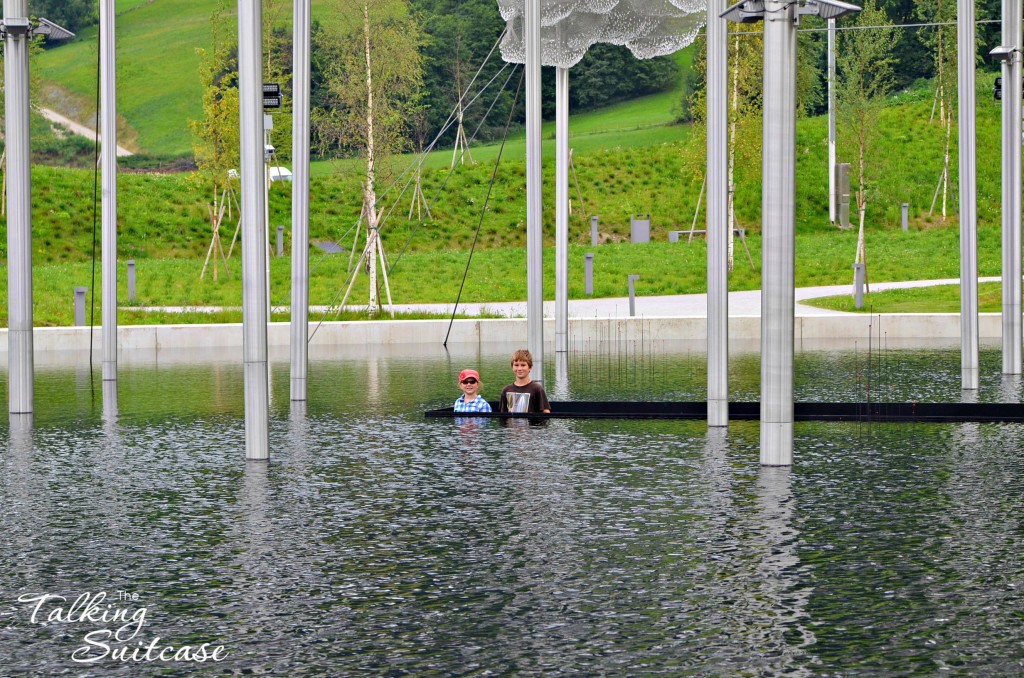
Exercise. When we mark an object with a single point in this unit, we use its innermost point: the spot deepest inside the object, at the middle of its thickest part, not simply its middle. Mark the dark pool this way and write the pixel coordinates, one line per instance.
(377, 542)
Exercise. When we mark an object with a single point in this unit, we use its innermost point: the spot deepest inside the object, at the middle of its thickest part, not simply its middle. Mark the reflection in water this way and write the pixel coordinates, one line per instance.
(561, 390)
(110, 402)
(781, 574)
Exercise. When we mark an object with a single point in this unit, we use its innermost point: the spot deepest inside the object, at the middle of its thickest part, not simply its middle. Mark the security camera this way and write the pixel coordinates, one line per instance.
(1003, 53)
(268, 153)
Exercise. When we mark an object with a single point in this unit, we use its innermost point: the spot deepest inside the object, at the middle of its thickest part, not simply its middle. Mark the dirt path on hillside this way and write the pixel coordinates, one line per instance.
(75, 128)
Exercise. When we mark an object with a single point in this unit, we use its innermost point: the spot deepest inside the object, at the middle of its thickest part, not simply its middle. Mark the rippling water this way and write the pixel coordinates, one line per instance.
(380, 543)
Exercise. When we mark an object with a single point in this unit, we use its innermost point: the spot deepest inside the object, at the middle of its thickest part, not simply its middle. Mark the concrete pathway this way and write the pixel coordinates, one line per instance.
(747, 303)
(76, 128)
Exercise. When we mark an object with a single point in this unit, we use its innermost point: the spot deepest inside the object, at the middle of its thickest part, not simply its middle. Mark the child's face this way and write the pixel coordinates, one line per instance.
(521, 369)
(470, 386)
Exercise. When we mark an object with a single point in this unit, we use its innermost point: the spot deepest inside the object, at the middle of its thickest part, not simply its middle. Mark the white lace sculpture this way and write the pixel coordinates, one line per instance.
(649, 28)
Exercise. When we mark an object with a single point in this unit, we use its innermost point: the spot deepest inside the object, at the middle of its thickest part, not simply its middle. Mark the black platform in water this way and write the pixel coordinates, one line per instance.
(935, 412)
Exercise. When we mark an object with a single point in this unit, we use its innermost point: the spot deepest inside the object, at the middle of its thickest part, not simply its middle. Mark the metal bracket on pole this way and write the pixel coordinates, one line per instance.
(23, 26)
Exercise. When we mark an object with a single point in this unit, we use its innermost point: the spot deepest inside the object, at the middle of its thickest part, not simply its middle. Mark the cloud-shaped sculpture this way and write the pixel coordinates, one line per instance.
(649, 28)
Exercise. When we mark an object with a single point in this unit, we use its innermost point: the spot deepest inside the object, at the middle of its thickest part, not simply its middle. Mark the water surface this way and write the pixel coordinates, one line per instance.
(377, 542)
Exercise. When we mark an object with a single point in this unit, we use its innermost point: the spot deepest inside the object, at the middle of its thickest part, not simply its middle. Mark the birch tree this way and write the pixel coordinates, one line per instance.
(864, 70)
(941, 40)
(372, 80)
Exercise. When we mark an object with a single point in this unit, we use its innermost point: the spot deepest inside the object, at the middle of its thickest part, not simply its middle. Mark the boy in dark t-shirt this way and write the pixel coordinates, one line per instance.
(523, 394)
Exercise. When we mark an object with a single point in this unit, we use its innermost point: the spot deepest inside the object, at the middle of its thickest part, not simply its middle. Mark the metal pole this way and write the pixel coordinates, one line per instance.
(716, 215)
(832, 120)
(778, 198)
(131, 280)
(300, 202)
(254, 238)
(534, 205)
(632, 293)
(588, 273)
(561, 210)
(905, 216)
(19, 210)
(969, 370)
(593, 230)
(80, 306)
(108, 165)
(858, 286)
(280, 240)
(1013, 334)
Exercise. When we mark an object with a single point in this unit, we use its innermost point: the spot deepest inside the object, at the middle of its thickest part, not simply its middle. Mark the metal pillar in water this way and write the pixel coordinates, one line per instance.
(108, 166)
(969, 370)
(716, 215)
(561, 210)
(300, 201)
(777, 210)
(254, 247)
(1013, 334)
(19, 210)
(534, 204)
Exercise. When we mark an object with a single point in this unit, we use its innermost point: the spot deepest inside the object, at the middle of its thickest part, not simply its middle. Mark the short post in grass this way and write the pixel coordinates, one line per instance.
(640, 228)
(858, 286)
(80, 306)
(588, 272)
(632, 294)
(593, 230)
(280, 240)
(906, 216)
(131, 280)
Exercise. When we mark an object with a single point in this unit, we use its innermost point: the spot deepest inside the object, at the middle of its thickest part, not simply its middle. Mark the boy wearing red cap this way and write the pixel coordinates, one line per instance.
(471, 400)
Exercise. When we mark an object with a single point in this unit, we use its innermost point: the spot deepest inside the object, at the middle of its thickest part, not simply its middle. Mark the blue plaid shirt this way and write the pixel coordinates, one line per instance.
(478, 404)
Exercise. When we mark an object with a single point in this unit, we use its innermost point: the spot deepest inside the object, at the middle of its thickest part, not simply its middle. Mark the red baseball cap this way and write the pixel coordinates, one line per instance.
(469, 373)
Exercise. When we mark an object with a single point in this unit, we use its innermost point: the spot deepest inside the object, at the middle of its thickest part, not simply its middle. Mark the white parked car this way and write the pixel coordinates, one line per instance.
(280, 174)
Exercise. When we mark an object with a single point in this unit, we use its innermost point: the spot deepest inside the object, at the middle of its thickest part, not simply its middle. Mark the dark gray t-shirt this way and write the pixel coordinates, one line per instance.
(538, 398)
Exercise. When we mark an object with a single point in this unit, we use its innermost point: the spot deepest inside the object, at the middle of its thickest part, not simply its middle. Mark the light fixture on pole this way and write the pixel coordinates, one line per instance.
(778, 220)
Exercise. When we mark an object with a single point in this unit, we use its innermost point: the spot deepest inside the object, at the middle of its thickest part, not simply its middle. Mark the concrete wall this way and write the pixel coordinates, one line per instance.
(692, 330)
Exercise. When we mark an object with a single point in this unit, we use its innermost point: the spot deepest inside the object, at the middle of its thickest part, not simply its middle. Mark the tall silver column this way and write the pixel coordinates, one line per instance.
(108, 167)
(1013, 336)
(561, 210)
(778, 179)
(254, 248)
(832, 120)
(969, 371)
(717, 217)
(534, 197)
(300, 201)
(19, 210)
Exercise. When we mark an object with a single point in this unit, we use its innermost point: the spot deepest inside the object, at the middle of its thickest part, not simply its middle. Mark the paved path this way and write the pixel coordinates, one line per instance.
(746, 303)
(54, 116)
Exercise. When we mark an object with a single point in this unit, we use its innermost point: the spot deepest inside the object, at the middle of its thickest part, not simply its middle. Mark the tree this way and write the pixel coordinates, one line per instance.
(215, 140)
(73, 15)
(372, 85)
(864, 73)
(460, 35)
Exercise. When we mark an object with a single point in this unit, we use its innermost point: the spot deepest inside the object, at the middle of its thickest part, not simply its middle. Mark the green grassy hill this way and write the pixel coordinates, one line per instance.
(628, 158)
